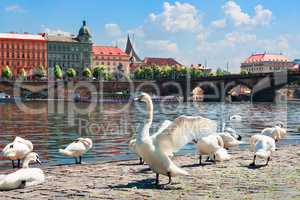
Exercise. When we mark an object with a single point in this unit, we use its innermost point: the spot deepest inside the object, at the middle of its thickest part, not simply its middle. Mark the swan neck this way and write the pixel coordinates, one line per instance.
(147, 126)
(26, 163)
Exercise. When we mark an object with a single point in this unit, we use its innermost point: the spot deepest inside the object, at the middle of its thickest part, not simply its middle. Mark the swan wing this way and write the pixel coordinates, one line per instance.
(162, 127)
(182, 131)
(75, 146)
(25, 142)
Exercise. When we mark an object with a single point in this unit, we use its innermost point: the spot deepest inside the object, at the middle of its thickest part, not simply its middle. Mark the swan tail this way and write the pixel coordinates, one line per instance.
(222, 155)
(177, 171)
(65, 152)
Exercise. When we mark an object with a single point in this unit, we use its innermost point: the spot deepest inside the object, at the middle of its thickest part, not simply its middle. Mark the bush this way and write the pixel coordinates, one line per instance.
(6, 72)
(71, 73)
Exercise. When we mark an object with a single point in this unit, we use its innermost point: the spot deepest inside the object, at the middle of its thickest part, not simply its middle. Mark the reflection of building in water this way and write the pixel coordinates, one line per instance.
(33, 127)
(198, 94)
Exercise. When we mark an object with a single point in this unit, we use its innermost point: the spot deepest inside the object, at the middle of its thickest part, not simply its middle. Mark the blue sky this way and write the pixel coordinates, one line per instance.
(192, 31)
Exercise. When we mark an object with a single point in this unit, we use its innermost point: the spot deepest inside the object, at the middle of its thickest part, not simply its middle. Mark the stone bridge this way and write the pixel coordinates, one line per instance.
(263, 86)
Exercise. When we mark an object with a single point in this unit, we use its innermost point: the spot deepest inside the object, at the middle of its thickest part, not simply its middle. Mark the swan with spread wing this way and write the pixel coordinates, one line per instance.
(155, 150)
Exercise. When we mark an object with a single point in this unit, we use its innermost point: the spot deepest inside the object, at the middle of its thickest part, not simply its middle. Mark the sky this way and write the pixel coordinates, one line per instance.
(215, 32)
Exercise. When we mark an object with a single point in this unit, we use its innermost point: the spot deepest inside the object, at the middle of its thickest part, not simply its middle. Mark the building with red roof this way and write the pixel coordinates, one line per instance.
(22, 51)
(112, 57)
(161, 61)
(266, 63)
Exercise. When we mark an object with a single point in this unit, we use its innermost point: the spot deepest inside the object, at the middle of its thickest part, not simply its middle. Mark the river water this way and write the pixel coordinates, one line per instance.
(111, 125)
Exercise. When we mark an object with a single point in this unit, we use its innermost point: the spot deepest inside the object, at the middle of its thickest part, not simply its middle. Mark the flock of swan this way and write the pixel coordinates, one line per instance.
(156, 149)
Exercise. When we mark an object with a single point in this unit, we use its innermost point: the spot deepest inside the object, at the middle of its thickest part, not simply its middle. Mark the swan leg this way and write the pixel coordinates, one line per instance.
(76, 161)
(253, 163)
(141, 161)
(19, 163)
(268, 161)
(80, 158)
(200, 159)
(13, 163)
(157, 179)
(170, 178)
(22, 185)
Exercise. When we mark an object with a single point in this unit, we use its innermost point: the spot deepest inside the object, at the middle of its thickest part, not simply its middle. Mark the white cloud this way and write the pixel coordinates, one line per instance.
(113, 30)
(15, 8)
(162, 46)
(221, 23)
(262, 16)
(177, 17)
(239, 38)
(55, 31)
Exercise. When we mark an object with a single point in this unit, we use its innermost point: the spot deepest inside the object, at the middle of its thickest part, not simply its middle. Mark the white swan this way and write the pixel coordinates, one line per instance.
(235, 118)
(132, 142)
(278, 132)
(17, 150)
(23, 177)
(212, 146)
(263, 147)
(77, 148)
(155, 150)
(230, 137)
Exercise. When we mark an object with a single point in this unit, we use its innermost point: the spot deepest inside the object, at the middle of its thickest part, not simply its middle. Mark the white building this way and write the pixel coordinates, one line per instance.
(266, 63)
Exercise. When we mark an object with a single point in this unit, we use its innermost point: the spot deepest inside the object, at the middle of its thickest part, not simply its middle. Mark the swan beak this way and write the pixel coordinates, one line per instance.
(239, 138)
(38, 161)
(136, 99)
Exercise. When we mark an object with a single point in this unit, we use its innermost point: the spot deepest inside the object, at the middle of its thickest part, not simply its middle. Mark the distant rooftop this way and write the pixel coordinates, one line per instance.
(161, 61)
(108, 50)
(24, 36)
(264, 57)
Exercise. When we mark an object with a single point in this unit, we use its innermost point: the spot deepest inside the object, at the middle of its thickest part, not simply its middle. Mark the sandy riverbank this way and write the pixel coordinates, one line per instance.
(126, 180)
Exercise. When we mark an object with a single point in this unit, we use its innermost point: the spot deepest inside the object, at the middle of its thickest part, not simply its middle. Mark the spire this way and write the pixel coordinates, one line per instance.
(130, 51)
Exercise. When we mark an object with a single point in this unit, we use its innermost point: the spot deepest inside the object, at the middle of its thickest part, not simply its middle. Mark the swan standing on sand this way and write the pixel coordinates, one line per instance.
(132, 142)
(156, 149)
(17, 150)
(262, 146)
(77, 148)
(213, 146)
(23, 177)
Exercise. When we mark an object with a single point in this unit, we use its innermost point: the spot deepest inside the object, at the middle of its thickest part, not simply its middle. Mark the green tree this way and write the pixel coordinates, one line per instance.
(166, 72)
(244, 72)
(220, 72)
(58, 72)
(100, 72)
(6, 72)
(138, 73)
(71, 73)
(87, 73)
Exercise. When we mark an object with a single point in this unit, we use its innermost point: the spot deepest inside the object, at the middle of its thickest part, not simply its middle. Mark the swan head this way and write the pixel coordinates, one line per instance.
(143, 97)
(280, 124)
(233, 133)
(86, 141)
(31, 157)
